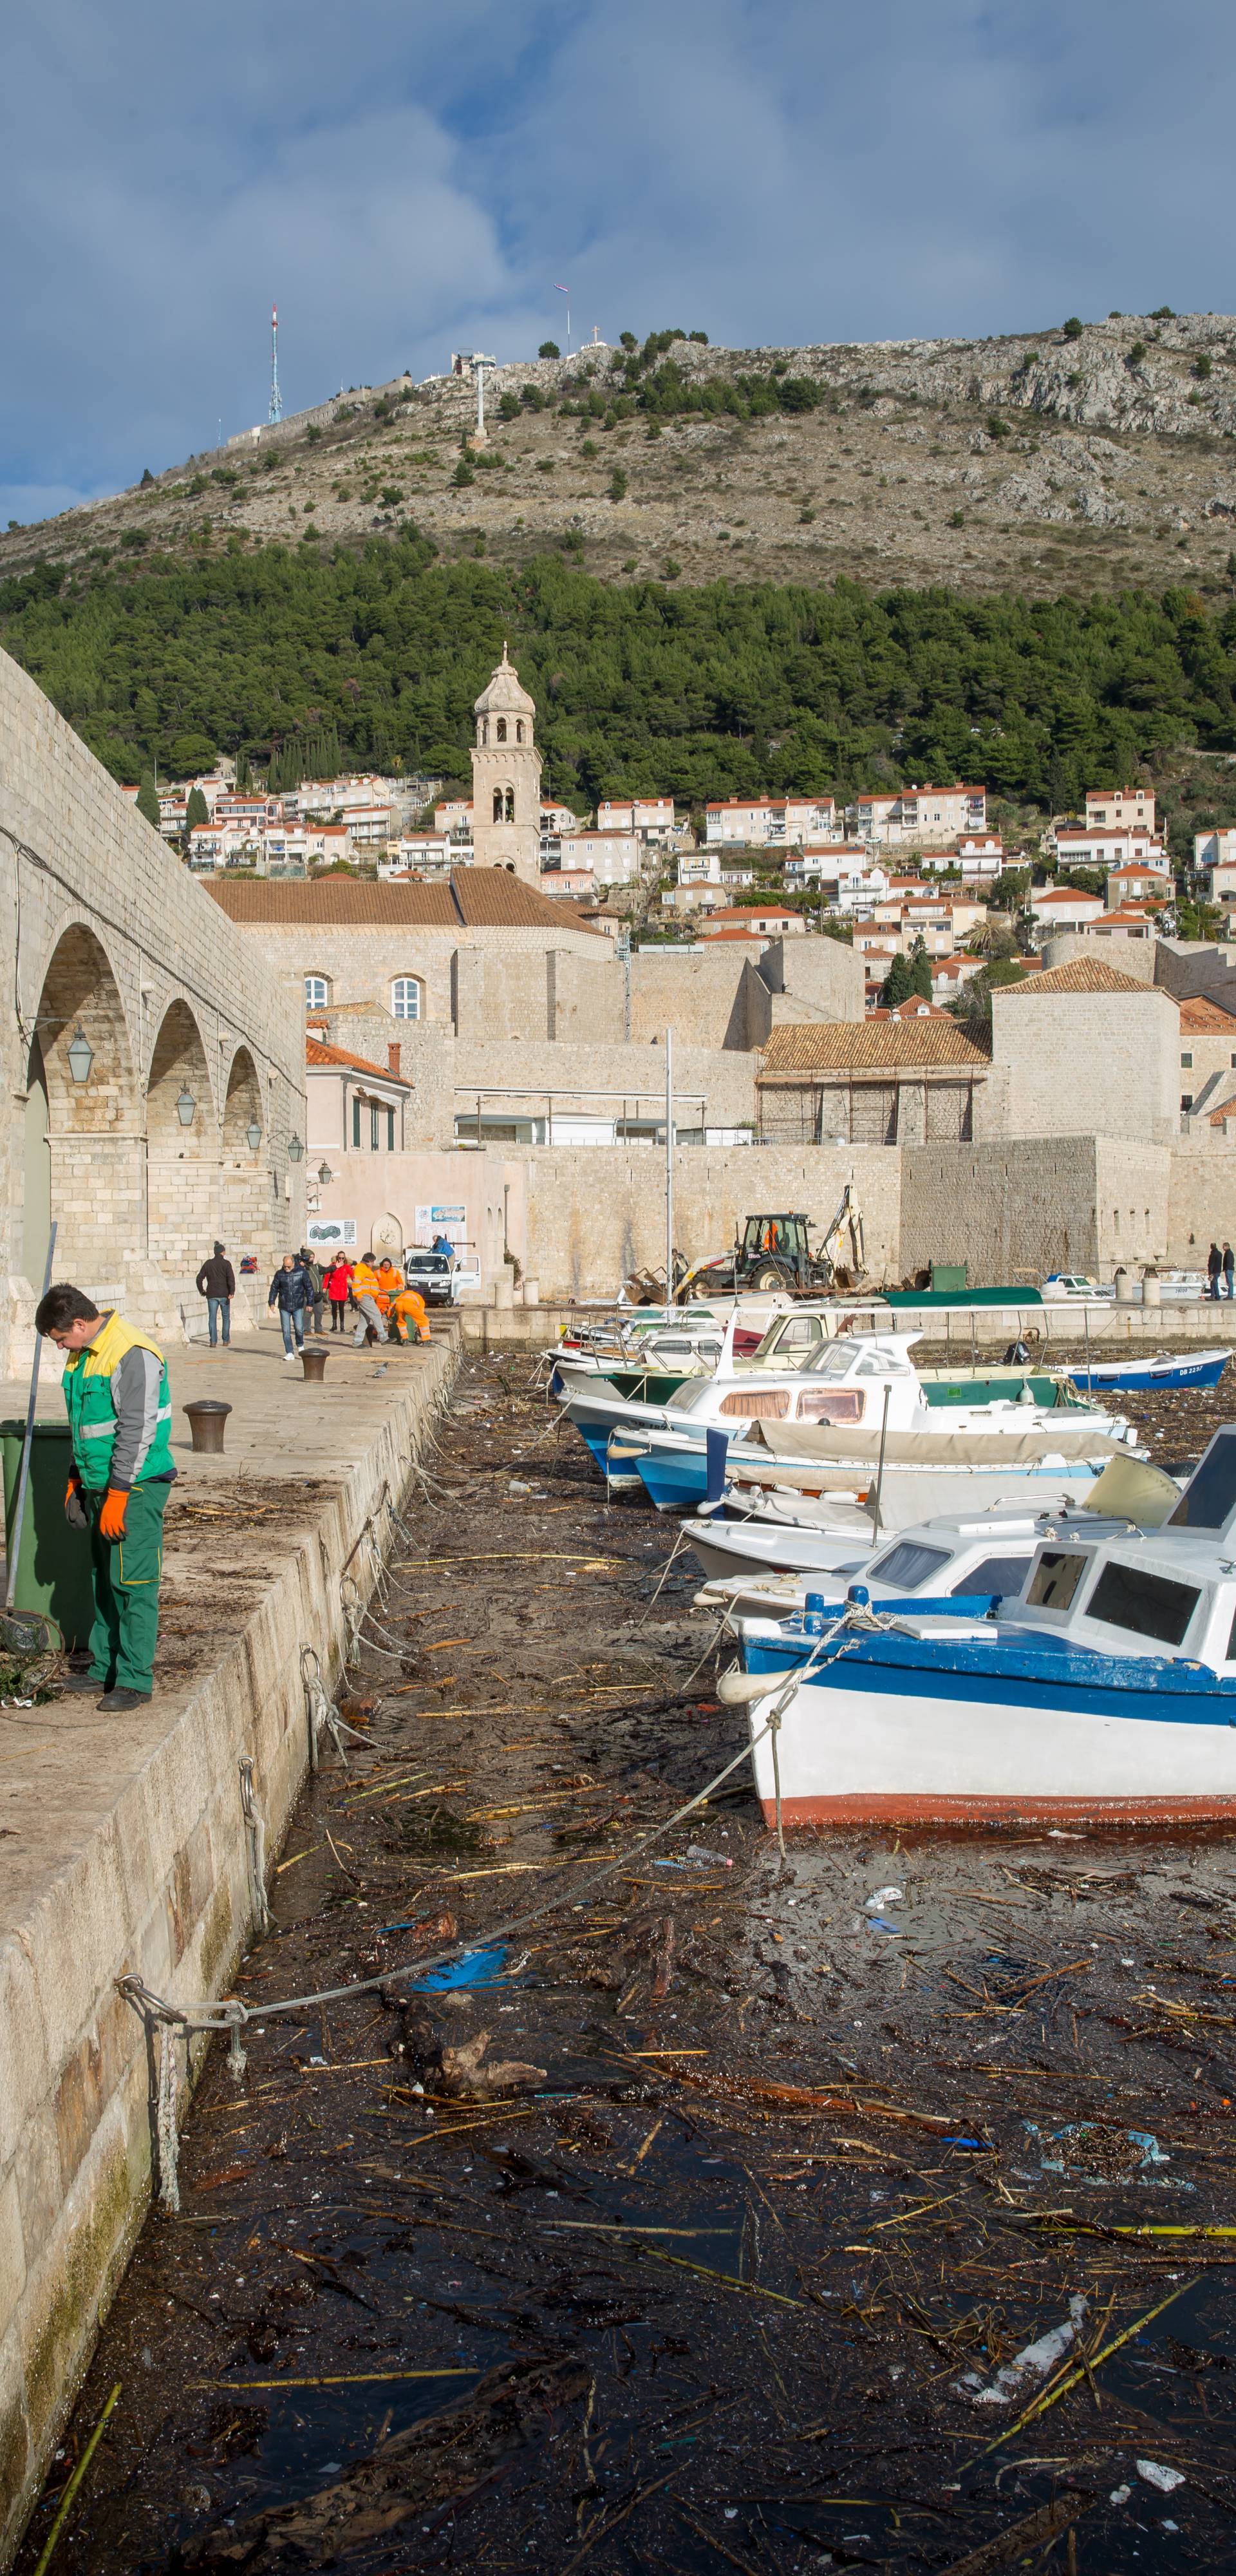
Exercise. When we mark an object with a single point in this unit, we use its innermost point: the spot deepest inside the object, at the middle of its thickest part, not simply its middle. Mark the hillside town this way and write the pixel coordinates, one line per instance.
(918, 873)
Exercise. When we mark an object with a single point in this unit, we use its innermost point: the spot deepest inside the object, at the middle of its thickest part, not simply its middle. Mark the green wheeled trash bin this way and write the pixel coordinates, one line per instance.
(53, 1569)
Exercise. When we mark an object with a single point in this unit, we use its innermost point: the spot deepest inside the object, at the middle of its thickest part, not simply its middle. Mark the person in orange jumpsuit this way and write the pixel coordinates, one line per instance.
(406, 1312)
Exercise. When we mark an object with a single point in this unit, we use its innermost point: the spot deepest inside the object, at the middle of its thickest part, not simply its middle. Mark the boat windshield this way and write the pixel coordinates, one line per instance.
(1002, 1574)
(1210, 1494)
(909, 1563)
(691, 1399)
(1150, 1605)
(835, 1361)
(1056, 1578)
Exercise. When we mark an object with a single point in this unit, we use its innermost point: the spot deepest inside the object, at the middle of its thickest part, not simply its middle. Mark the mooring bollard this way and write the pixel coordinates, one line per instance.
(314, 1365)
(206, 1423)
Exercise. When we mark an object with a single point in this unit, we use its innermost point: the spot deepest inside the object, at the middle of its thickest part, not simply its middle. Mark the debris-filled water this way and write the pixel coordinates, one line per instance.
(866, 2210)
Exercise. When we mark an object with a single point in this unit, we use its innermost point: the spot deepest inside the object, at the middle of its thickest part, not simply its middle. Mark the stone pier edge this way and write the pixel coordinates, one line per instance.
(160, 1887)
(538, 1327)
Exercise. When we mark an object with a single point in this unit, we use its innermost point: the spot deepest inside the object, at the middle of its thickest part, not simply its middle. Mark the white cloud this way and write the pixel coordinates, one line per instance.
(405, 179)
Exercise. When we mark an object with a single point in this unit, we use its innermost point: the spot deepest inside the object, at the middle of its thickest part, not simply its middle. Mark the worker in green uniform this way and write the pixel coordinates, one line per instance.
(120, 1417)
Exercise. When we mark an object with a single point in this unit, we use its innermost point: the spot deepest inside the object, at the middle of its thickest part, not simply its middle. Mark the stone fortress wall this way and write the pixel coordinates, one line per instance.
(190, 1043)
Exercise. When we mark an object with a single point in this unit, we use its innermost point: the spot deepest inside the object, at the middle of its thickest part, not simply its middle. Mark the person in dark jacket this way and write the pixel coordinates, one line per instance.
(1214, 1266)
(317, 1286)
(1229, 1270)
(290, 1293)
(216, 1282)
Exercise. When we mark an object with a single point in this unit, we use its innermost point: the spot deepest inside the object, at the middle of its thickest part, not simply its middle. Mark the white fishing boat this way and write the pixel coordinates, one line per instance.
(1106, 1693)
(953, 1555)
(864, 1380)
(778, 1513)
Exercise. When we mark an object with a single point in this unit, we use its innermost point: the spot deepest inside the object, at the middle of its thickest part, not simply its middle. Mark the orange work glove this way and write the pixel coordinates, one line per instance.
(74, 1508)
(111, 1518)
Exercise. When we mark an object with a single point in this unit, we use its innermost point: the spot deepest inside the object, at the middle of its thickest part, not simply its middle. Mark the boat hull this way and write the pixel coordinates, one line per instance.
(871, 1743)
(1110, 1377)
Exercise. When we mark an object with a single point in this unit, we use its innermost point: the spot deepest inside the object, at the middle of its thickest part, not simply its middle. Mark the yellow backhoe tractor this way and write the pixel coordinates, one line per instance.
(773, 1253)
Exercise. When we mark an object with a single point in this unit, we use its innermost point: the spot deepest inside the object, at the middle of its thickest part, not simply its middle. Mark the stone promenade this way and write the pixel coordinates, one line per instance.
(123, 1843)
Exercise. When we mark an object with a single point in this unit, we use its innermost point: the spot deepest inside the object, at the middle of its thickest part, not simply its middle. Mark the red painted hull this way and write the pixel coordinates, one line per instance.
(903, 1809)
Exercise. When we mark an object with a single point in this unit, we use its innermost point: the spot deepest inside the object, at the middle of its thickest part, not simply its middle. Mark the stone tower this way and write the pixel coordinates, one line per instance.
(506, 778)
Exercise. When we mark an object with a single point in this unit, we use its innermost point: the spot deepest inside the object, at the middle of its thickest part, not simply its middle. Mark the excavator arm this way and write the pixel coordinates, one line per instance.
(847, 1221)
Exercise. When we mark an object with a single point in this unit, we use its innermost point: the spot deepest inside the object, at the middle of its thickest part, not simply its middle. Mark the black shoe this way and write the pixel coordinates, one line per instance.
(81, 1682)
(117, 1703)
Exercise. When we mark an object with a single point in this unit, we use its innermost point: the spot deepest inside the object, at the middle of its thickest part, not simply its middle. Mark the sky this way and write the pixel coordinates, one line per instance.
(406, 179)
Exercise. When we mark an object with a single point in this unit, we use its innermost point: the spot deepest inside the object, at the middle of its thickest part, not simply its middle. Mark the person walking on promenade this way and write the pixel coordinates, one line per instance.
(120, 1418)
(1229, 1270)
(367, 1291)
(338, 1284)
(216, 1282)
(289, 1292)
(1214, 1266)
(317, 1285)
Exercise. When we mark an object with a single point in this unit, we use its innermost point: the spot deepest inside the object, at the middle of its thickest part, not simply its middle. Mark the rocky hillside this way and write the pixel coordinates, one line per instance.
(1078, 458)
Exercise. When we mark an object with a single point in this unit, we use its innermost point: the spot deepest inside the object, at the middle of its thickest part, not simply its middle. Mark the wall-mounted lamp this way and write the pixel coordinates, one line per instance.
(253, 1135)
(295, 1149)
(80, 1055)
(325, 1175)
(186, 1107)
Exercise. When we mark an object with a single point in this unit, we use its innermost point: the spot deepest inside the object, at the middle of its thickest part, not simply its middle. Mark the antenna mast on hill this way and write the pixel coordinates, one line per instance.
(276, 399)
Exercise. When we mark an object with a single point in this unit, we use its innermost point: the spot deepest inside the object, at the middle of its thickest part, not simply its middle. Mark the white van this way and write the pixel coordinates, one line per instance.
(443, 1278)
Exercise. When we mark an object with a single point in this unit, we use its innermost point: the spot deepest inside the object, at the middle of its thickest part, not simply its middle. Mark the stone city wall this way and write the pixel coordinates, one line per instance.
(594, 1216)
(1110, 1058)
(109, 934)
(581, 1218)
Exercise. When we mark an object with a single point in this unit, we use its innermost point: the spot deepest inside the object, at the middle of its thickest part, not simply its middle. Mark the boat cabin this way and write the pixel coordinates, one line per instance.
(1169, 1591)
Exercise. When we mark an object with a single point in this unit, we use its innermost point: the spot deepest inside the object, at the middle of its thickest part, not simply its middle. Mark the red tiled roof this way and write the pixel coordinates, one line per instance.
(1202, 1018)
(324, 1057)
(1080, 975)
(473, 899)
(871, 1045)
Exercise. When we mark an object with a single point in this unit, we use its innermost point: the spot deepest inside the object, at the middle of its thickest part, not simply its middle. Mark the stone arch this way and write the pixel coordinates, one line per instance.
(84, 1158)
(519, 728)
(245, 1209)
(501, 729)
(182, 1154)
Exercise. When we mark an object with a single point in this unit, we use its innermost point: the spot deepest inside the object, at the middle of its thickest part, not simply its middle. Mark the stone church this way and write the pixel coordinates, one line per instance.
(506, 778)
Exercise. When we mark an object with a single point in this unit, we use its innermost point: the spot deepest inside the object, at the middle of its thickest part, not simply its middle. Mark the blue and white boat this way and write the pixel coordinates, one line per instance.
(864, 1385)
(1141, 1377)
(1105, 1693)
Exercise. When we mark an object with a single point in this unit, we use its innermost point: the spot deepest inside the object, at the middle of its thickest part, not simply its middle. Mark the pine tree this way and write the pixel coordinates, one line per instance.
(243, 775)
(196, 810)
(147, 800)
(920, 972)
(897, 985)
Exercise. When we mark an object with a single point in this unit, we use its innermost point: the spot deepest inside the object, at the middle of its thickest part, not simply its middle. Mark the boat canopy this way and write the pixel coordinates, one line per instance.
(943, 1448)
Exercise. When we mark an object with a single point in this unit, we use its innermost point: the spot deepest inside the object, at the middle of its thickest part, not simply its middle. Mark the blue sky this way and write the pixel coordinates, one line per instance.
(406, 179)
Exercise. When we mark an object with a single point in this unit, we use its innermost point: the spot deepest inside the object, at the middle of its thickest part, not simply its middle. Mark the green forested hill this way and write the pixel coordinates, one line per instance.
(719, 690)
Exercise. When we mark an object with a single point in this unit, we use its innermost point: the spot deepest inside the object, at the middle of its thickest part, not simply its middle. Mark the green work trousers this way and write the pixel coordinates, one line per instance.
(125, 1573)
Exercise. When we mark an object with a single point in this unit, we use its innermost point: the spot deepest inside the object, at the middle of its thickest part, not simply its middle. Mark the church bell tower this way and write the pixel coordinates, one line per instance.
(506, 778)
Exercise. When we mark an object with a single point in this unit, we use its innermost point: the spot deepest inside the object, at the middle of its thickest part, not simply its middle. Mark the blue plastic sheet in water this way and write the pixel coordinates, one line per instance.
(475, 1968)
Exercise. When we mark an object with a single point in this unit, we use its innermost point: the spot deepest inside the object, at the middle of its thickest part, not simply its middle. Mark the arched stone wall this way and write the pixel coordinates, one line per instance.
(246, 1201)
(95, 1153)
(182, 1161)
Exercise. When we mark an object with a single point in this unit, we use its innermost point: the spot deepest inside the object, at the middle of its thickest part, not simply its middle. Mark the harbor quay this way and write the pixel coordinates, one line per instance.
(125, 1842)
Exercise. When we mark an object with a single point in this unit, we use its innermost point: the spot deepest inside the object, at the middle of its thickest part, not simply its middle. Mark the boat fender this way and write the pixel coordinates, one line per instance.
(740, 1690)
